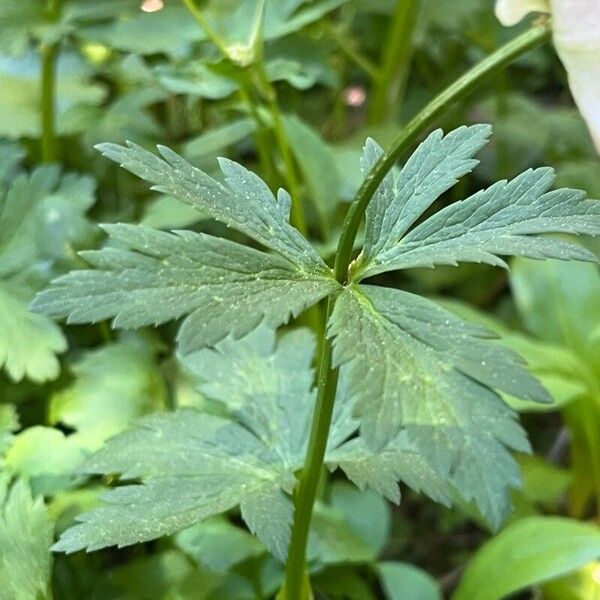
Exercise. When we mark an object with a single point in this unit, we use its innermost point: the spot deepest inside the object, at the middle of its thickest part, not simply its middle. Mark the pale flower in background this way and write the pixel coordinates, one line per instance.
(576, 29)
(151, 6)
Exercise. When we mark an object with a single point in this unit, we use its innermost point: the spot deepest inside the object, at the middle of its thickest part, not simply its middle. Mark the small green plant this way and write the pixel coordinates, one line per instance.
(405, 390)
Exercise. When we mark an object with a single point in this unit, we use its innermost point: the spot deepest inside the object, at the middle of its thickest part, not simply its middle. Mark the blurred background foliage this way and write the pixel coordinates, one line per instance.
(297, 110)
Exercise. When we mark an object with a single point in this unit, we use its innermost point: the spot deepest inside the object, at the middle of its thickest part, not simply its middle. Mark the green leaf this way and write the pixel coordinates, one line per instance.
(28, 342)
(529, 552)
(168, 31)
(114, 385)
(219, 138)
(19, 85)
(505, 219)
(45, 457)
(244, 203)
(25, 537)
(558, 303)
(434, 167)
(217, 544)
(193, 466)
(406, 374)
(318, 165)
(352, 527)
(402, 581)
(223, 286)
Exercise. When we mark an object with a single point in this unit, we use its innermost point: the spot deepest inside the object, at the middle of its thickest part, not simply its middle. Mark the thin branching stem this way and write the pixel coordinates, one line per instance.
(295, 577)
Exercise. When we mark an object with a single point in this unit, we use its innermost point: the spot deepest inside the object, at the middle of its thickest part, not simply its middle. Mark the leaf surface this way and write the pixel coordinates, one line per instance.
(405, 379)
(25, 537)
(154, 277)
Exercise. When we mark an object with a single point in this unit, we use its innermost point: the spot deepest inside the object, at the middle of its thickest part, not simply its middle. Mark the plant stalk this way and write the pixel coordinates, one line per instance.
(397, 53)
(469, 82)
(49, 55)
(327, 377)
(304, 499)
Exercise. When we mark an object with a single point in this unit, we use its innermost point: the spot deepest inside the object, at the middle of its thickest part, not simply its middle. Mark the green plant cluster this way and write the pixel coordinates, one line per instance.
(249, 352)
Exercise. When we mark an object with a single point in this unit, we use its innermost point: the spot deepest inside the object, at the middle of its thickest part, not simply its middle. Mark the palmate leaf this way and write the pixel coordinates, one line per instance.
(245, 203)
(151, 277)
(223, 286)
(505, 219)
(415, 371)
(194, 465)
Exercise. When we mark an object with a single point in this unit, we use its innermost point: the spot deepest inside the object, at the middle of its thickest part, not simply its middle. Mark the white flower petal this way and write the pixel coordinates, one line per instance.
(510, 12)
(576, 25)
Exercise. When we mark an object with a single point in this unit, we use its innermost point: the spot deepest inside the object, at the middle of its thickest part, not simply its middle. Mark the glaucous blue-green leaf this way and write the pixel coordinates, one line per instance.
(434, 167)
(26, 534)
(113, 386)
(192, 466)
(244, 202)
(266, 385)
(153, 277)
(507, 218)
(528, 552)
(405, 377)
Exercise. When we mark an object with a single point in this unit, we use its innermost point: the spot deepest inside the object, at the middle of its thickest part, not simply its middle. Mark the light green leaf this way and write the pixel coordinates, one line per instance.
(45, 457)
(559, 303)
(25, 538)
(217, 544)
(244, 203)
(113, 386)
(192, 466)
(529, 552)
(402, 581)
(19, 86)
(352, 527)
(217, 139)
(166, 212)
(318, 165)
(223, 286)
(404, 374)
(168, 31)
(28, 342)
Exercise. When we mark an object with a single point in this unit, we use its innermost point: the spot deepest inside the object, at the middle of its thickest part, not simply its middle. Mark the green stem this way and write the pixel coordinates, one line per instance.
(327, 376)
(397, 51)
(469, 82)
(49, 55)
(304, 498)
(211, 35)
(297, 213)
